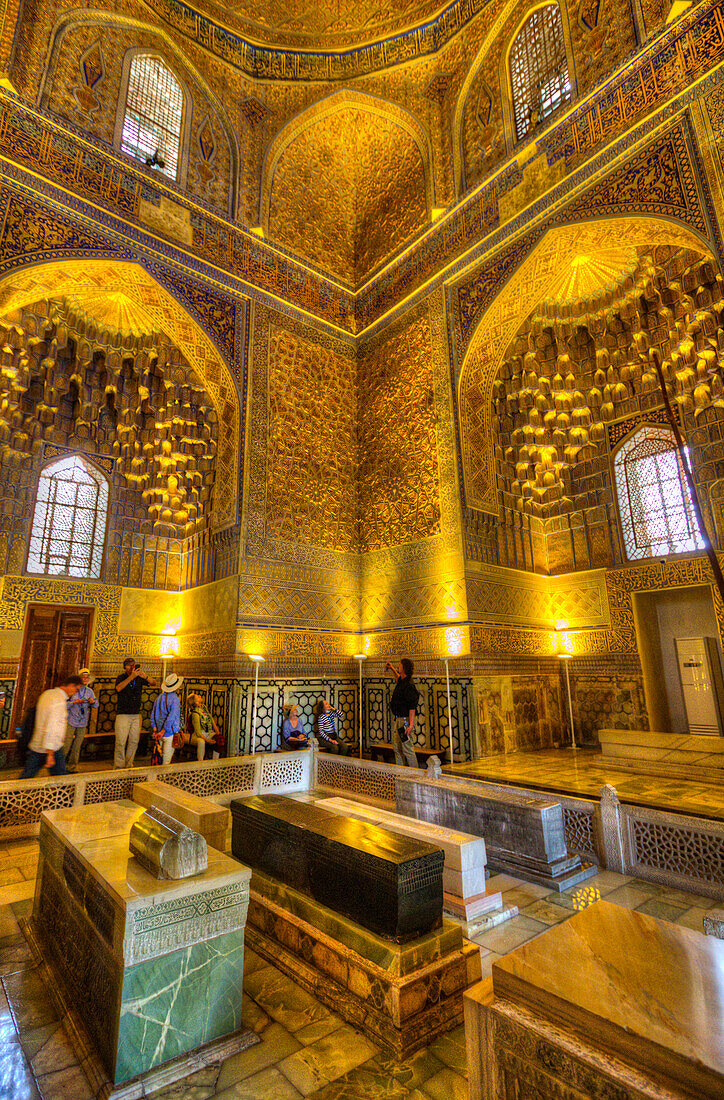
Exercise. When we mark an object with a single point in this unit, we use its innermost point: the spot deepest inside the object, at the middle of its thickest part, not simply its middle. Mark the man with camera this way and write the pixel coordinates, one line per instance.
(129, 688)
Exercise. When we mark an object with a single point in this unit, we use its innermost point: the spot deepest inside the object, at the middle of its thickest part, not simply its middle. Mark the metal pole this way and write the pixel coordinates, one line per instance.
(253, 716)
(570, 707)
(360, 709)
(449, 713)
(681, 448)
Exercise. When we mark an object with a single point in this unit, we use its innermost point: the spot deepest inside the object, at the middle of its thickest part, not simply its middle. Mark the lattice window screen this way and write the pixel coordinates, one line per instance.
(538, 69)
(657, 517)
(154, 113)
(69, 521)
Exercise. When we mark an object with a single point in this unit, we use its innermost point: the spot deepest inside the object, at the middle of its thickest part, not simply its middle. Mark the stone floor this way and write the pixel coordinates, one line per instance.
(582, 772)
(304, 1050)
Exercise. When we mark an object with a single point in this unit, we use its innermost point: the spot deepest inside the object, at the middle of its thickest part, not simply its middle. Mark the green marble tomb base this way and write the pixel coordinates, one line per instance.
(153, 968)
(400, 995)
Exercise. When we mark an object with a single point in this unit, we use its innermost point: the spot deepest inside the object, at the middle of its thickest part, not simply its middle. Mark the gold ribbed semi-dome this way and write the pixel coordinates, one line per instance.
(590, 275)
(325, 23)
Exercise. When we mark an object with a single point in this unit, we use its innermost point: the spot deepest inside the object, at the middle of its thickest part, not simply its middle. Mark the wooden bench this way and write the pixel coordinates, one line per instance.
(199, 814)
(385, 750)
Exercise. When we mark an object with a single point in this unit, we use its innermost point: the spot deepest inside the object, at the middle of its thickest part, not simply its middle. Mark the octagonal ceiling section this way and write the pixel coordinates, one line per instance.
(321, 23)
(346, 190)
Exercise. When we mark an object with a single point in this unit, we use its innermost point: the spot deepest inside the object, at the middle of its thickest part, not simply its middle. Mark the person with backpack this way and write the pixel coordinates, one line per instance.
(403, 704)
(166, 721)
(46, 744)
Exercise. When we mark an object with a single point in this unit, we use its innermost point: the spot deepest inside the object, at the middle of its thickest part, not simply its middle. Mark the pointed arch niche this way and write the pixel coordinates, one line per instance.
(555, 271)
(346, 183)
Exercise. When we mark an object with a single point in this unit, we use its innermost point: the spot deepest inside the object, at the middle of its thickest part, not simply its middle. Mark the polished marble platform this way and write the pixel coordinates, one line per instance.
(305, 1049)
(401, 996)
(583, 772)
(152, 967)
(609, 1002)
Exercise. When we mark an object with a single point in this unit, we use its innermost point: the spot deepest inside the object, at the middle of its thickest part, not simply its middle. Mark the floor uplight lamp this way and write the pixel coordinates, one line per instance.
(565, 656)
(360, 657)
(257, 661)
(449, 712)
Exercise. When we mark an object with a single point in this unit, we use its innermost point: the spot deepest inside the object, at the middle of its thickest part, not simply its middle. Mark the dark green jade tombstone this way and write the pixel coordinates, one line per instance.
(388, 883)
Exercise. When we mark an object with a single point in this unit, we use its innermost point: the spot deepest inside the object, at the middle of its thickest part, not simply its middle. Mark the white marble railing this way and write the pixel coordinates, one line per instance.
(23, 800)
(676, 850)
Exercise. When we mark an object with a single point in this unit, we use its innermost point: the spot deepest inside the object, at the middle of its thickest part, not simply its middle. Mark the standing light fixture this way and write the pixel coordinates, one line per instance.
(257, 661)
(449, 712)
(565, 655)
(360, 657)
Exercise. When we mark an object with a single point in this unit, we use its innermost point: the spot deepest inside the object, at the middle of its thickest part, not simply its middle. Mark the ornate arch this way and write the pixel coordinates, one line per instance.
(89, 279)
(536, 276)
(185, 70)
(495, 32)
(330, 105)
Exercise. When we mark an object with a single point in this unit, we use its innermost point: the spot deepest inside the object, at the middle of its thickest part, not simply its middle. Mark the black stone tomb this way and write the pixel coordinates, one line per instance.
(388, 883)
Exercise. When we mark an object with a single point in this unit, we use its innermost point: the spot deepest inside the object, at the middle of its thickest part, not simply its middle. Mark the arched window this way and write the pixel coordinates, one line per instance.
(69, 521)
(654, 502)
(539, 77)
(153, 118)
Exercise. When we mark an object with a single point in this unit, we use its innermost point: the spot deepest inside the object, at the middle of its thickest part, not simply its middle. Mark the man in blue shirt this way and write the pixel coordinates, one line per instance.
(166, 715)
(79, 708)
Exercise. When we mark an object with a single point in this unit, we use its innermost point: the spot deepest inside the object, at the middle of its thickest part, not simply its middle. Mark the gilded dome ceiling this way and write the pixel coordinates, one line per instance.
(328, 23)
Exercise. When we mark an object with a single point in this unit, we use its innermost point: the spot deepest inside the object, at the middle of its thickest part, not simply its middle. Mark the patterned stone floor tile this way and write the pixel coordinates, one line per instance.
(284, 1001)
(409, 1074)
(686, 899)
(322, 1062)
(48, 1048)
(317, 1030)
(252, 1016)
(16, 1079)
(276, 1043)
(632, 895)
(197, 1086)
(252, 961)
(506, 937)
(19, 891)
(268, 1084)
(29, 1000)
(609, 880)
(525, 894)
(8, 922)
(446, 1085)
(693, 918)
(15, 955)
(450, 1049)
(367, 1082)
(65, 1083)
(655, 907)
(542, 910)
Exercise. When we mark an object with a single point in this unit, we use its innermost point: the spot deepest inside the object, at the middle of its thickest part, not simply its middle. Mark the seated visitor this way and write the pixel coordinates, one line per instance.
(79, 709)
(203, 729)
(46, 744)
(294, 735)
(166, 721)
(325, 728)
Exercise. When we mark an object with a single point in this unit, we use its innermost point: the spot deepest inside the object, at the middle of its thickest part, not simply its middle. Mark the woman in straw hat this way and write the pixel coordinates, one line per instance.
(166, 719)
(79, 709)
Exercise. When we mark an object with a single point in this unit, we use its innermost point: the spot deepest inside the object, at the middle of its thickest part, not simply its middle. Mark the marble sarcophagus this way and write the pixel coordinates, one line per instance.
(387, 883)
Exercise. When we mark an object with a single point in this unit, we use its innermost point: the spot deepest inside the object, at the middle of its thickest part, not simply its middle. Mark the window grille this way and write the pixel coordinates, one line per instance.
(69, 521)
(654, 502)
(538, 69)
(154, 113)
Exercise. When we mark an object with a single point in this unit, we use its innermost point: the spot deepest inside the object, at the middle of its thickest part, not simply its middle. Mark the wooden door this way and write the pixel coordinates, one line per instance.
(56, 644)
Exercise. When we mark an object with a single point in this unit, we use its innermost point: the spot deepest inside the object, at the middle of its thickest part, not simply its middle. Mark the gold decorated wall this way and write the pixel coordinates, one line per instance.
(312, 444)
